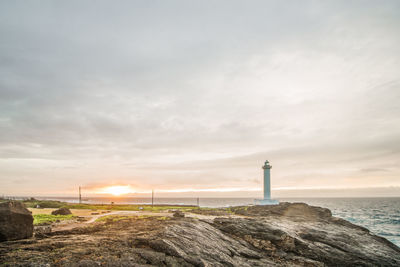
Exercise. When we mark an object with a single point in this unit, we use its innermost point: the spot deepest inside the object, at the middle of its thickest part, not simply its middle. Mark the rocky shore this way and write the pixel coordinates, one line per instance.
(283, 235)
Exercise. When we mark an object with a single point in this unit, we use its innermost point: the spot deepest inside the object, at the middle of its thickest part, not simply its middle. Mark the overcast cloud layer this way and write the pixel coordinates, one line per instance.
(180, 95)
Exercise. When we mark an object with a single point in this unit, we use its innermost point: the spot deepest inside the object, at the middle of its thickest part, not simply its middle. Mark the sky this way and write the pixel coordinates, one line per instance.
(189, 98)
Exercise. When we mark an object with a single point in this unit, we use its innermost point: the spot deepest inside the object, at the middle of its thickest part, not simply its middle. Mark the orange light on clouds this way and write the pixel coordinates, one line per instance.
(117, 190)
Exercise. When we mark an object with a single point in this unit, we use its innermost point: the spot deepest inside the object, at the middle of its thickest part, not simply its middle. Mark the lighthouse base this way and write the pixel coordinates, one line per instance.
(266, 202)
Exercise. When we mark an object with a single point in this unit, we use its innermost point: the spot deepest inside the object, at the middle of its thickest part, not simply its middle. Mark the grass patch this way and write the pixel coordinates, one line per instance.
(163, 218)
(33, 203)
(127, 207)
(213, 211)
(140, 217)
(159, 218)
(230, 210)
(43, 204)
(116, 218)
(113, 218)
(39, 219)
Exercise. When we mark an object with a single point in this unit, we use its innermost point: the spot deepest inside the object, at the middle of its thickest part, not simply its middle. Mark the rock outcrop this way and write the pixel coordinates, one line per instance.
(61, 211)
(284, 235)
(179, 214)
(16, 221)
(295, 211)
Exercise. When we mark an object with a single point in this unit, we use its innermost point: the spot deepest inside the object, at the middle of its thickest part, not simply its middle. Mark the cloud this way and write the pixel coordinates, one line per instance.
(374, 170)
(139, 93)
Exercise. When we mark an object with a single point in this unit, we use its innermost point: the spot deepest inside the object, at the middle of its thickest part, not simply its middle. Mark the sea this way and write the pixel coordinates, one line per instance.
(380, 215)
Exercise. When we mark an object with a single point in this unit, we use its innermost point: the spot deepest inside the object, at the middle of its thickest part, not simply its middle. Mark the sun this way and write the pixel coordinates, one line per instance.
(118, 190)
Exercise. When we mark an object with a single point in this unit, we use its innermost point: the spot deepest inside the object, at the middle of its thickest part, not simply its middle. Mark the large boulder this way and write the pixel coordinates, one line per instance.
(16, 221)
(61, 211)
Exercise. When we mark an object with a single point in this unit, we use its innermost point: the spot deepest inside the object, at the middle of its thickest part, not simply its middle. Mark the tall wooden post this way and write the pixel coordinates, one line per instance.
(80, 196)
(152, 198)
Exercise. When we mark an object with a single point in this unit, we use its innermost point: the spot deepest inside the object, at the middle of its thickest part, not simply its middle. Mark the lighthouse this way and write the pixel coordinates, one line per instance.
(267, 187)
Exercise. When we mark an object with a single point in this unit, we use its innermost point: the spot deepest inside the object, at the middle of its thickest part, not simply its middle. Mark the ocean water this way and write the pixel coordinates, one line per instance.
(380, 215)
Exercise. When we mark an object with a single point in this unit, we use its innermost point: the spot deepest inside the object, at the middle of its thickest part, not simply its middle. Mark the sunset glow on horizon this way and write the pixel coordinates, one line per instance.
(117, 190)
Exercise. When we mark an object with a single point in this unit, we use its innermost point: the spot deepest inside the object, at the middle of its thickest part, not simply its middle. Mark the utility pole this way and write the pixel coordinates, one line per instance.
(152, 198)
(80, 196)
(198, 202)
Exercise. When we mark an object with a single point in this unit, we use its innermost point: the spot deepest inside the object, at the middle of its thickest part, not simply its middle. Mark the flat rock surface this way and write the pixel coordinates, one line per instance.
(308, 238)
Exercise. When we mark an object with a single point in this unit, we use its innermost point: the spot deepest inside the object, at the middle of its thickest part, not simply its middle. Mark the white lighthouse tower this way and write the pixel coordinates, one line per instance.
(267, 187)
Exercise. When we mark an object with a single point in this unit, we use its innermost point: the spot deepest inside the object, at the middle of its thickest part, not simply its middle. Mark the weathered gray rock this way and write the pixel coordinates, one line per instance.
(288, 237)
(16, 221)
(42, 230)
(61, 211)
(327, 243)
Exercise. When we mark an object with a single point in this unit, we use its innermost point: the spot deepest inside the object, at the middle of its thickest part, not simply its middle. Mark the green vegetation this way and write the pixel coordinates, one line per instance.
(160, 218)
(163, 218)
(112, 218)
(127, 207)
(232, 209)
(33, 203)
(39, 219)
(115, 218)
